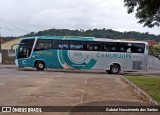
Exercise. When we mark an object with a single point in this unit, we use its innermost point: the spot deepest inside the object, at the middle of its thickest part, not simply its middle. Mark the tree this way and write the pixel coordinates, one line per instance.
(155, 51)
(147, 11)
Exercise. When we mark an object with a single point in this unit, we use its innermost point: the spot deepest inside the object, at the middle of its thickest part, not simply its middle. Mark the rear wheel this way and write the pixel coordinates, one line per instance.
(108, 71)
(40, 65)
(115, 69)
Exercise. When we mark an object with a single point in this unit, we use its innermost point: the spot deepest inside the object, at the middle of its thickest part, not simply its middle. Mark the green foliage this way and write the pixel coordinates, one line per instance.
(8, 38)
(151, 85)
(155, 51)
(99, 33)
(147, 11)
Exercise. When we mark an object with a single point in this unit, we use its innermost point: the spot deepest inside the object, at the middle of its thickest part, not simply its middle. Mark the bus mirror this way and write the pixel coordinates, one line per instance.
(11, 52)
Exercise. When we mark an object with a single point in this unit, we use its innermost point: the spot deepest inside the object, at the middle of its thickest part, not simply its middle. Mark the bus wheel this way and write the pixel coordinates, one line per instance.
(115, 69)
(108, 71)
(40, 66)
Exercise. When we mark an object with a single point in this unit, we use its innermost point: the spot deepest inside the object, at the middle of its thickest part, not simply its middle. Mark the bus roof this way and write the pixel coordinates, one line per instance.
(80, 38)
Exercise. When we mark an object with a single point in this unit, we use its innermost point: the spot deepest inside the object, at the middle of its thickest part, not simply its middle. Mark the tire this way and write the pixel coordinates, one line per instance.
(114, 69)
(40, 65)
(108, 71)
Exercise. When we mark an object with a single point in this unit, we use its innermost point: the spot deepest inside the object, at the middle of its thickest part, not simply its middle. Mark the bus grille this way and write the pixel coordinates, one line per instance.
(137, 65)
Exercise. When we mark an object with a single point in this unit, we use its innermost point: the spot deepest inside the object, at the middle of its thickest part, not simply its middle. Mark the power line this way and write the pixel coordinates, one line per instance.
(7, 27)
(13, 25)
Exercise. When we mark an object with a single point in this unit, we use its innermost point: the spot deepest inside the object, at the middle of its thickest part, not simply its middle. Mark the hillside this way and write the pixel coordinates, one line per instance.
(99, 33)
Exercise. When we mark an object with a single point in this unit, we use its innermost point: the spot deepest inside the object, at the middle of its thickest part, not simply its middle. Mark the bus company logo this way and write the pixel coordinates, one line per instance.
(6, 109)
(114, 55)
(66, 61)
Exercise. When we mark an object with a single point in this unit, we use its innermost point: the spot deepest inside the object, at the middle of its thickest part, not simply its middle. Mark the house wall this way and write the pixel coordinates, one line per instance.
(5, 47)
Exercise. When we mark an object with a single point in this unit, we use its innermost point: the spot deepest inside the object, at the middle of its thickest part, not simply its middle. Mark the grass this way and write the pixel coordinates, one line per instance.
(150, 84)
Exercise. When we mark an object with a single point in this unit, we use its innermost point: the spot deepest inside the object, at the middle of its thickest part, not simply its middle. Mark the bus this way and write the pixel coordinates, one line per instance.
(69, 52)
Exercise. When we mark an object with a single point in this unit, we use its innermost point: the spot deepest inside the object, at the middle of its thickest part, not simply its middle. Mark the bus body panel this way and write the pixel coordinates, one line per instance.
(77, 59)
(83, 60)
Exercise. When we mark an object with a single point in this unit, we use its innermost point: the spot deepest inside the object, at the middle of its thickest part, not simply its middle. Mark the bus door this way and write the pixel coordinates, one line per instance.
(43, 52)
(24, 52)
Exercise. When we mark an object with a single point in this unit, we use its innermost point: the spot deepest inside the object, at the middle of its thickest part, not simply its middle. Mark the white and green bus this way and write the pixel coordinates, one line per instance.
(82, 53)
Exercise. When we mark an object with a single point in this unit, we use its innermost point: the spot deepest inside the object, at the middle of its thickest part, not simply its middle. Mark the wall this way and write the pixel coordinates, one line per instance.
(6, 59)
(5, 47)
(8, 44)
(153, 62)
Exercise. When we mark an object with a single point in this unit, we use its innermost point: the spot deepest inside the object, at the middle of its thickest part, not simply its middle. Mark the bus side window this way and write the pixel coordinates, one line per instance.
(113, 49)
(106, 48)
(64, 45)
(129, 50)
(129, 47)
(77, 45)
(122, 47)
(93, 46)
(110, 47)
(89, 47)
(138, 47)
(43, 45)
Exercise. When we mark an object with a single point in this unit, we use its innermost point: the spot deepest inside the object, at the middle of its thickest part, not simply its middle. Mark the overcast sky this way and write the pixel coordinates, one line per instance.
(36, 15)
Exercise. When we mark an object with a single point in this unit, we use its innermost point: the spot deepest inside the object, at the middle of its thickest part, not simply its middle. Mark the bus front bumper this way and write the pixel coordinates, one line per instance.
(16, 62)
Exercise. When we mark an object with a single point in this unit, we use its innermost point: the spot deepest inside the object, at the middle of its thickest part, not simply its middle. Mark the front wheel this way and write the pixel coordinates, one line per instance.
(40, 66)
(114, 69)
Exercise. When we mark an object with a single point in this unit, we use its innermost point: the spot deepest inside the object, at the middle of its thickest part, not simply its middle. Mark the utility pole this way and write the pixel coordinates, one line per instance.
(0, 47)
(0, 41)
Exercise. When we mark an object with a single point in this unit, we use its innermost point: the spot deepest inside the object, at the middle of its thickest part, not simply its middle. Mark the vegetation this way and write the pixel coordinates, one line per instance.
(8, 38)
(150, 85)
(99, 33)
(155, 51)
(147, 11)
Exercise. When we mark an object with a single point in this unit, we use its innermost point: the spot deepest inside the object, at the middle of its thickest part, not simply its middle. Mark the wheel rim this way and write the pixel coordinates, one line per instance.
(41, 65)
(115, 69)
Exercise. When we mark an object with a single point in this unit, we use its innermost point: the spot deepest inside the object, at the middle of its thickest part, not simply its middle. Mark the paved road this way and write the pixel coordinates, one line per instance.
(50, 88)
(60, 88)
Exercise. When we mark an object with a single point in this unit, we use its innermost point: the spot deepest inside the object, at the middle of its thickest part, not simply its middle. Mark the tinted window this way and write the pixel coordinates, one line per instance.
(110, 47)
(77, 45)
(61, 45)
(43, 45)
(94, 46)
(137, 47)
(122, 47)
(25, 48)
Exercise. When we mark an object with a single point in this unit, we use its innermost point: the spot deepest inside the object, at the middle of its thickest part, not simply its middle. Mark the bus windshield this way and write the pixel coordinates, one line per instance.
(25, 48)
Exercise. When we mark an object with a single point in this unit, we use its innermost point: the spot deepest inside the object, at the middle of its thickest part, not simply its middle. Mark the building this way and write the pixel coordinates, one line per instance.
(152, 42)
(5, 47)
(2, 40)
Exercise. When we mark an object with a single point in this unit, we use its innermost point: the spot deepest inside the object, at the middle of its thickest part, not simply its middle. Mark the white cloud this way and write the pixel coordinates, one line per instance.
(35, 15)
